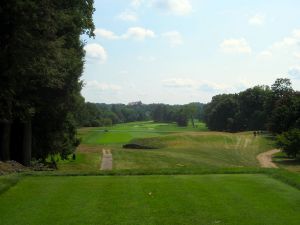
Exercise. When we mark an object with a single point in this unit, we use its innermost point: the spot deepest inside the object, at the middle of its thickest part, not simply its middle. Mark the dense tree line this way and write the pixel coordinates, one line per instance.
(42, 60)
(97, 114)
(275, 108)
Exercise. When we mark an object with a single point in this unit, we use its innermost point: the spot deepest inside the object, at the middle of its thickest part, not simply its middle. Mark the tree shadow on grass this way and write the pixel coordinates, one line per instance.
(286, 161)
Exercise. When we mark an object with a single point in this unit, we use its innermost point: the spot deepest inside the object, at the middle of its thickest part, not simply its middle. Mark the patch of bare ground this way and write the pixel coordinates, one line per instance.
(265, 159)
(106, 163)
(89, 149)
(11, 167)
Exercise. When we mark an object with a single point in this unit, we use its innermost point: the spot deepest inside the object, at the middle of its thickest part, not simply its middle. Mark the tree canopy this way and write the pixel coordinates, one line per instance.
(42, 60)
(275, 108)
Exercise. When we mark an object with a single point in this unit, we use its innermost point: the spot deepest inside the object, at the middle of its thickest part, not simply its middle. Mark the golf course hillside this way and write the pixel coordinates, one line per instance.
(171, 147)
(149, 112)
(189, 176)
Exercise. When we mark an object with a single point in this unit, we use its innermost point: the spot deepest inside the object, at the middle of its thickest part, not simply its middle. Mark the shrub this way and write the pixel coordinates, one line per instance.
(289, 142)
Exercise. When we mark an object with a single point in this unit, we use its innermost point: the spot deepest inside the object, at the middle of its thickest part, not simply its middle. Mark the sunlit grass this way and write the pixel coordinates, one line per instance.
(240, 199)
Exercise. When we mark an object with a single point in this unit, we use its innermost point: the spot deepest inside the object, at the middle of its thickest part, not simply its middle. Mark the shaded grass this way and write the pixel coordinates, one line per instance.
(174, 199)
(283, 161)
(8, 181)
(88, 158)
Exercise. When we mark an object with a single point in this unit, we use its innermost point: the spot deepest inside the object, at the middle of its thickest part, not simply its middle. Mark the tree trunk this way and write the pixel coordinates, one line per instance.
(16, 141)
(26, 145)
(5, 128)
(193, 123)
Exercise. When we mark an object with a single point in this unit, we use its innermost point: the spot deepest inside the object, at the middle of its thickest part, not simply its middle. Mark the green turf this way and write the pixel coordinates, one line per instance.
(205, 150)
(179, 199)
(231, 190)
(179, 147)
(123, 133)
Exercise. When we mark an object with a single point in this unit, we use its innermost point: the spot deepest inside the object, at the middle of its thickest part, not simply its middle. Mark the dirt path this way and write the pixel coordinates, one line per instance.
(265, 159)
(106, 163)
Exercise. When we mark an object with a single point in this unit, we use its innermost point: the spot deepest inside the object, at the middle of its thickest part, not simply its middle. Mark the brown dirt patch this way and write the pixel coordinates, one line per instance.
(265, 159)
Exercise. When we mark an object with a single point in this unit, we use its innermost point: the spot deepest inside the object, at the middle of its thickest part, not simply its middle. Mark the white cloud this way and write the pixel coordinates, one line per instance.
(265, 54)
(136, 33)
(136, 3)
(294, 72)
(235, 46)
(95, 52)
(128, 16)
(179, 82)
(106, 34)
(94, 84)
(211, 87)
(205, 86)
(174, 38)
(177, 7)
(296, 33)
(292, 40)
(257, 20)
(288, 44)
(297, 55)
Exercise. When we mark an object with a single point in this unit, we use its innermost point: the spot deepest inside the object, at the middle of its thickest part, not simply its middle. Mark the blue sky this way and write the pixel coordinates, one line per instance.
(181, 51)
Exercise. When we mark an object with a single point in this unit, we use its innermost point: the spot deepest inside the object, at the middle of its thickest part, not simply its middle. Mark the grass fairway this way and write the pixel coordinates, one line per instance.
(180, 147)
(246, 199)
(195, 177)
(123, 133)
(195, 149)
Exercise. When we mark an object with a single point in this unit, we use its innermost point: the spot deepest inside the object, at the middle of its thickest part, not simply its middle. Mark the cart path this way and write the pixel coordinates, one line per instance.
(265, 159)
(107, 160)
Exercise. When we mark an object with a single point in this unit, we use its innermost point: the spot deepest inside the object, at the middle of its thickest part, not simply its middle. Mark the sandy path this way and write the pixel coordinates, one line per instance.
(106, 163)
(265, 159)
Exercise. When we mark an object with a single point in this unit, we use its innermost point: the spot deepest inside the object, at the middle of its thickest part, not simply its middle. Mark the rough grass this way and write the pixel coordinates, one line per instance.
(240, 199)
(191, 149)
(178, 147)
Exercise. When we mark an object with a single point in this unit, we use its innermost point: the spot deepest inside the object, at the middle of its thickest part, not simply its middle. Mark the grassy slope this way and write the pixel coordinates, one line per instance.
(238, 195)
(183, 147)
(205, 150)
(180, 199)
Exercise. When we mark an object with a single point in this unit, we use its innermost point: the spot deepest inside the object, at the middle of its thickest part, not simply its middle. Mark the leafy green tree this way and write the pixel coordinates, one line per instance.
(182, 118)
(281, 87)
(252, 107)
(283, 107)
(220, 113)
(191, 111)
(41, 65)
(289, 142)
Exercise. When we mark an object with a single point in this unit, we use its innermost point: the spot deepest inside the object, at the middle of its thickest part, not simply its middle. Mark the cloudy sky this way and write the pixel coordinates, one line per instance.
(181, 51)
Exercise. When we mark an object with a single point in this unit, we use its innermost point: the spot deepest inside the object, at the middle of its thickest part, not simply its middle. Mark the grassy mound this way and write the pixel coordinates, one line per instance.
(194, 149)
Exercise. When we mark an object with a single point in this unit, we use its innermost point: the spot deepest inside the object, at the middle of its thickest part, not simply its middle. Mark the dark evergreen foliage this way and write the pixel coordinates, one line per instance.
(41, 63)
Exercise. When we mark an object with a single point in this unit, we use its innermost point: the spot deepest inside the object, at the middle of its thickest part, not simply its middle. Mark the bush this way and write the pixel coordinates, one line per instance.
(289, 142)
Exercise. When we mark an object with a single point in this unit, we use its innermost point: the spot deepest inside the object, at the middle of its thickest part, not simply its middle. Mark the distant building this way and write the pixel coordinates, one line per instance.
(135, 103)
